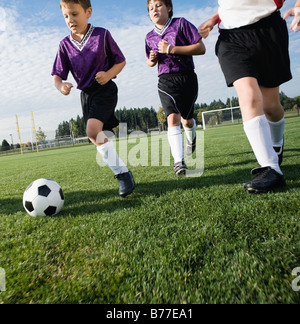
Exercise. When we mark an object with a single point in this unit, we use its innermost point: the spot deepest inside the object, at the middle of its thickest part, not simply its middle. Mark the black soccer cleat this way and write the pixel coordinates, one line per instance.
(279, 151)
(265, 180)
(191, 147)
(180, 168)
(126, 184)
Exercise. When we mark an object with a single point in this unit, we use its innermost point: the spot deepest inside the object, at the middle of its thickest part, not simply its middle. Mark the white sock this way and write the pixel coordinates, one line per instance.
(277, 132)
(111, 158)
(259, 136)
(176, 143)
(190, 132)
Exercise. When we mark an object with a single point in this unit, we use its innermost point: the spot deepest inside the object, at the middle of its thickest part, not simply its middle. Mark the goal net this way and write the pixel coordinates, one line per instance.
(222, 117)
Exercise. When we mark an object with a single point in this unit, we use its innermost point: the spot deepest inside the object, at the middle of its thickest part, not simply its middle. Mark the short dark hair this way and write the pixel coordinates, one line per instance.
(84, 3)
(168, 3)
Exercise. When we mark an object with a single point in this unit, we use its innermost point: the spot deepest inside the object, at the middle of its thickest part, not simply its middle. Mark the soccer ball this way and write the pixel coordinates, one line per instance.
(43, 197)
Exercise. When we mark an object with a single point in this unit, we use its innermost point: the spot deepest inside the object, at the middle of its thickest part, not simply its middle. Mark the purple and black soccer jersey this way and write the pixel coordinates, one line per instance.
(177, 32)
(95, 53)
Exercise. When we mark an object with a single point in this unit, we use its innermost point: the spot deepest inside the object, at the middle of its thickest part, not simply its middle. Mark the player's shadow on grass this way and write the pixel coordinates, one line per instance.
(91, 202)
(291, 153)
(108, 201)
(184, 183)
(292, 175)
(96, 202)
(237, 177)
(231, 160)
(10, 206)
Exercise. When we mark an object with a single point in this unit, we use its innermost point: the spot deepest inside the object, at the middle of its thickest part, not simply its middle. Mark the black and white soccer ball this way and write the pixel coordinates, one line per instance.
(43, 197)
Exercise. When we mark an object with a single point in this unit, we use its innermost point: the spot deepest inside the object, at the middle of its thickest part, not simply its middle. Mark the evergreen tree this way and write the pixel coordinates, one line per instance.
(5, 146)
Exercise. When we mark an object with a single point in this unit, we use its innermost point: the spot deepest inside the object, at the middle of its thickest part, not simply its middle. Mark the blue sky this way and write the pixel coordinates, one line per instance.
(30, 32)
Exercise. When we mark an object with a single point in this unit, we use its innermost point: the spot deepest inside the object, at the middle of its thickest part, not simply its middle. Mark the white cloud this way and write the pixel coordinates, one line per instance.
(26, 83)
(2, 19)
(27, 57)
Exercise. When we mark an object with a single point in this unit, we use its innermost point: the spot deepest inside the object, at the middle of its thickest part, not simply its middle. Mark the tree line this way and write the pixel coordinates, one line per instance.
(139, 119)
(145, 119)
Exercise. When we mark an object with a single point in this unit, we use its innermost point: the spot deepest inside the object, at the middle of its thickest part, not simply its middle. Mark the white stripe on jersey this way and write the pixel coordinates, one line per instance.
(238, 13)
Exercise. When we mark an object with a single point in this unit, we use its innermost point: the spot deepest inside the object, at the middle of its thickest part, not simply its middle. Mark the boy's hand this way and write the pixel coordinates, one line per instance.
(103, 77)
(205, 29)
(153, 57)
(208, 26)
(66, 88)
(163, 47)
(295, 26)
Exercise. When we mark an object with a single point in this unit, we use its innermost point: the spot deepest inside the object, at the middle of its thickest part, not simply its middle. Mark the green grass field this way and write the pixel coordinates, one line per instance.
(199, 240)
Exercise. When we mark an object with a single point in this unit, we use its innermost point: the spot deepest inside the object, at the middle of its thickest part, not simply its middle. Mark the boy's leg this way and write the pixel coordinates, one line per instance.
(110, 157)
(94, 127)
(176, 142)
(258, 132)
(272, 105)
(190, 128)
(175, 137)
(105, 147)
(275, 115)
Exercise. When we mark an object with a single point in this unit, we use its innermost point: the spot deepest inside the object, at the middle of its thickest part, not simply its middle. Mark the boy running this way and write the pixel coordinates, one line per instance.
(171, 46)
(254, 56)
(94, 59)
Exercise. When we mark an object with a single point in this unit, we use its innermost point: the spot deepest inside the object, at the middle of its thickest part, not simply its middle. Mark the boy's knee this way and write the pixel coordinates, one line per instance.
(271, 105)
(188, 123)
(97, 139)
(91, 135)
(101, 138)
(174, 120)
(274, 112)
(253, 100)
(270, 109)
(250, 95)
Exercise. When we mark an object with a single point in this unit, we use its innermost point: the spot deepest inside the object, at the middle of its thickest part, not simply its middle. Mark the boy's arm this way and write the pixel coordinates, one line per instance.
(190, 50)
(63, 87)
(104, 77)
(295, 26)
(209, 25)
(153, 59)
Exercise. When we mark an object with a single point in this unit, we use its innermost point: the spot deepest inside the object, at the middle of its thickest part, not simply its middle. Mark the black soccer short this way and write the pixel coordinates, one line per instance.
(260, 50)
(178, 93)
(99, 102)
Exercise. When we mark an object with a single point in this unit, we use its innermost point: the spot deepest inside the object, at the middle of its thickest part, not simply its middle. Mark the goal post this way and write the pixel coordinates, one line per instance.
(222, 117)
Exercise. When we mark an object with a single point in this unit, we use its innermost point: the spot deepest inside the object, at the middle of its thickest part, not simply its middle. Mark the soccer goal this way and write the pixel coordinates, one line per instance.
(222, 117)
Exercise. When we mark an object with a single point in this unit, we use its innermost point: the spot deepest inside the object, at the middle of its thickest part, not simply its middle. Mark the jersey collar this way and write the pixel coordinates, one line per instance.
(81, 45)
(161, 31)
